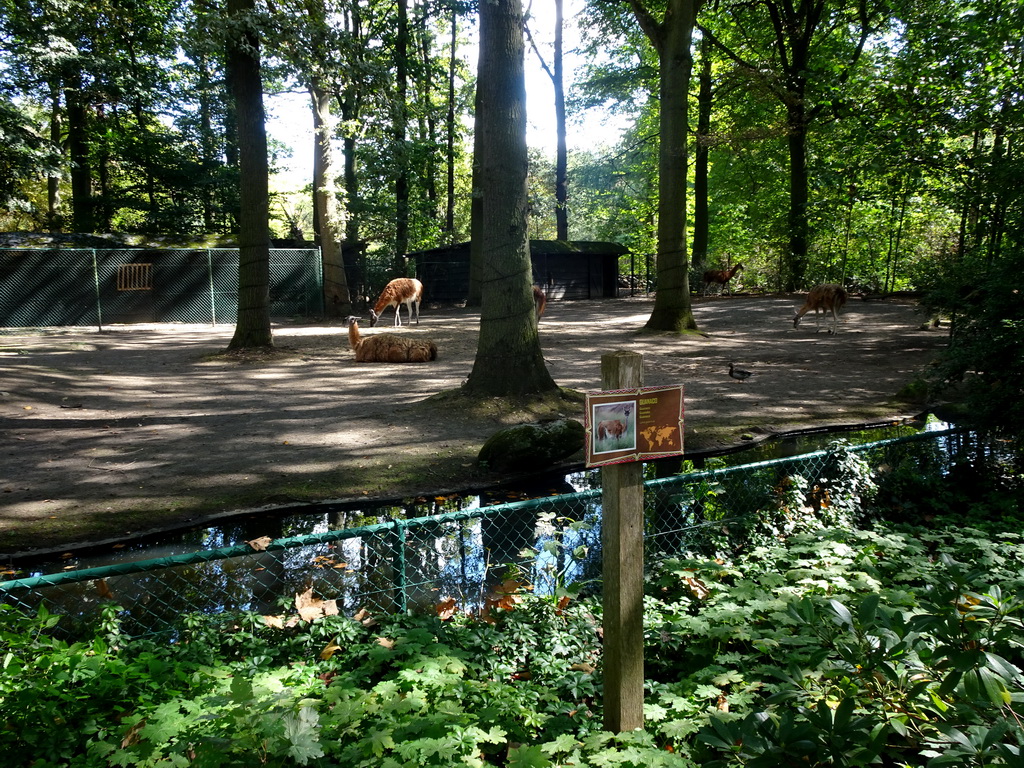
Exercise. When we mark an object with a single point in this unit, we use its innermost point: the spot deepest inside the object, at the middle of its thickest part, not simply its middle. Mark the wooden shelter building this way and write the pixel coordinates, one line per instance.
(566, 269)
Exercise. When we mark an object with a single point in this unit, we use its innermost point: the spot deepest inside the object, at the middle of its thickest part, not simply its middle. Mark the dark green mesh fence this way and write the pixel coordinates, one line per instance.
(101, 287)
(415, 564)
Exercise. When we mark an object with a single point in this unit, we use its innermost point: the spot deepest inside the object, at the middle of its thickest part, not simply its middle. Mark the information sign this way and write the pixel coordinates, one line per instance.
(633, 425)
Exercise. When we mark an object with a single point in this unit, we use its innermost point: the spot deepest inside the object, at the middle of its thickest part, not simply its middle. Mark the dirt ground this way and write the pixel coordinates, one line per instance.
(139, 428)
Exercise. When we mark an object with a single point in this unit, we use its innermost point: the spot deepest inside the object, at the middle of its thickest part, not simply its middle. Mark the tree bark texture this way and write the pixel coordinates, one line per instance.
(82, 203)
(252, 327)
(476, 208)
(561, 152)
(700, 161)
(671, 38)
(798, 195)
(509, 360)
(401, 132)
(337, 301)
(449, 208)
(53, 199)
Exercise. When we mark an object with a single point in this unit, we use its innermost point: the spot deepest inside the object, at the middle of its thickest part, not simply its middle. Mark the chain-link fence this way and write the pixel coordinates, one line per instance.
(417, 563)
(102, 287)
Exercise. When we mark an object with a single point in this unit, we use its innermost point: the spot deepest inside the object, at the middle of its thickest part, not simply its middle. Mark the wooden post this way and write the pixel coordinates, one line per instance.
(622, 542)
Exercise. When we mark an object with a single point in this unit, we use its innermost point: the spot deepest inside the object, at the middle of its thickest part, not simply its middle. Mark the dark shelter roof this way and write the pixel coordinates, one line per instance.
(567, 269)
(540, 248)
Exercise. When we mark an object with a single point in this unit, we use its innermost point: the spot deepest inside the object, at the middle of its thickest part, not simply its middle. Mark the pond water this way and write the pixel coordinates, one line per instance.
(285, 522)
(416, 554)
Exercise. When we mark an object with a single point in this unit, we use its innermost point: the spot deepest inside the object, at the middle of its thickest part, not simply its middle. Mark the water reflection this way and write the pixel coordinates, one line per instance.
(389, 557)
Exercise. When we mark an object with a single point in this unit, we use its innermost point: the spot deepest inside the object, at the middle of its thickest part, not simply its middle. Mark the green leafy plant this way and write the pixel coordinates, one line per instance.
(886, 644)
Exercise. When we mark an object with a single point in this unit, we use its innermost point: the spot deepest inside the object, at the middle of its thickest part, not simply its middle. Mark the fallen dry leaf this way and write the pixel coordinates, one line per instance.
(260, 544)
(697, 587)
(329, 650)
(311, 608)
(446, 608)
(132, 737)
(363, 617)
(104, 589)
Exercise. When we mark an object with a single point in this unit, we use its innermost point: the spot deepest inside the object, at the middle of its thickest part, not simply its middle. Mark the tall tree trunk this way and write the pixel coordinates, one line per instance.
(428, 118)
(556, 73)
(476, 205)
(207, 136)
(350, 174)
(231, 149)
(798, 196)
(207, 142)
(508, 359)
(356, 255)
(1001, 146)
(350, 105)
(795, 38)
(672, 38)
(82, 216)
(102, 204)
(337, 302)
(701, 221)
(252, 328)
(449, 208)
(53, 215)
(561, 150)
(401, 133)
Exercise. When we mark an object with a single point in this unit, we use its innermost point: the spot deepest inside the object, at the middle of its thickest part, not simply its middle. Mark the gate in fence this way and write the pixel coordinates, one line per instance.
(412, 564)
(101, 287)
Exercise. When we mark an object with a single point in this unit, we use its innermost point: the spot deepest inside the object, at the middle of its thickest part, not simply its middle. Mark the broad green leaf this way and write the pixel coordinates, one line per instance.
(842, 612)
(562, 743)
(868, 608)
(527, 757)
(994, 687)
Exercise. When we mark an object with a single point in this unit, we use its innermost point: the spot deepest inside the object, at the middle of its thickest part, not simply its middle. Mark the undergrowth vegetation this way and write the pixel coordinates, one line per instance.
(817, 642)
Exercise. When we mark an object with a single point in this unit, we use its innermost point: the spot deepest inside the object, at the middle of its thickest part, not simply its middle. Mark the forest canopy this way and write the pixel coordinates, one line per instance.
(857, 142)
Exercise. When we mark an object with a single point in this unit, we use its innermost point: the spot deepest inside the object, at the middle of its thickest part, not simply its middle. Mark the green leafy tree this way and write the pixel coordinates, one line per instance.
(802, 55)
(25, 156)
(983, 368)
(671, 37)
(104, 75)
(955, 83)
(556, 71)
(316, 48)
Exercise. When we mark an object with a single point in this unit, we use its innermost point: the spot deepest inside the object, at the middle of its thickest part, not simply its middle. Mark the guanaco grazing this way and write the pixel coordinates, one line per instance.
(827, 297)
(401, 290)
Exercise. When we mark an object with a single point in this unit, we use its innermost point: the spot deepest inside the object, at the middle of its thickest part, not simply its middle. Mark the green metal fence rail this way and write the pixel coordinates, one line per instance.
(153, 285)
(412, 564)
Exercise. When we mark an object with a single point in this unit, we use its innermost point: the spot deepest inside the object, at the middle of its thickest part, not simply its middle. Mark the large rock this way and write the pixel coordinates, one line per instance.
(531, 447)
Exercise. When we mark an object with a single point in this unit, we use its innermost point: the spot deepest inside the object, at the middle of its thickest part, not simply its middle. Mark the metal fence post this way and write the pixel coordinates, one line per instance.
(318, 267)
(401, 577)
(213, 296)
(96, 285)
